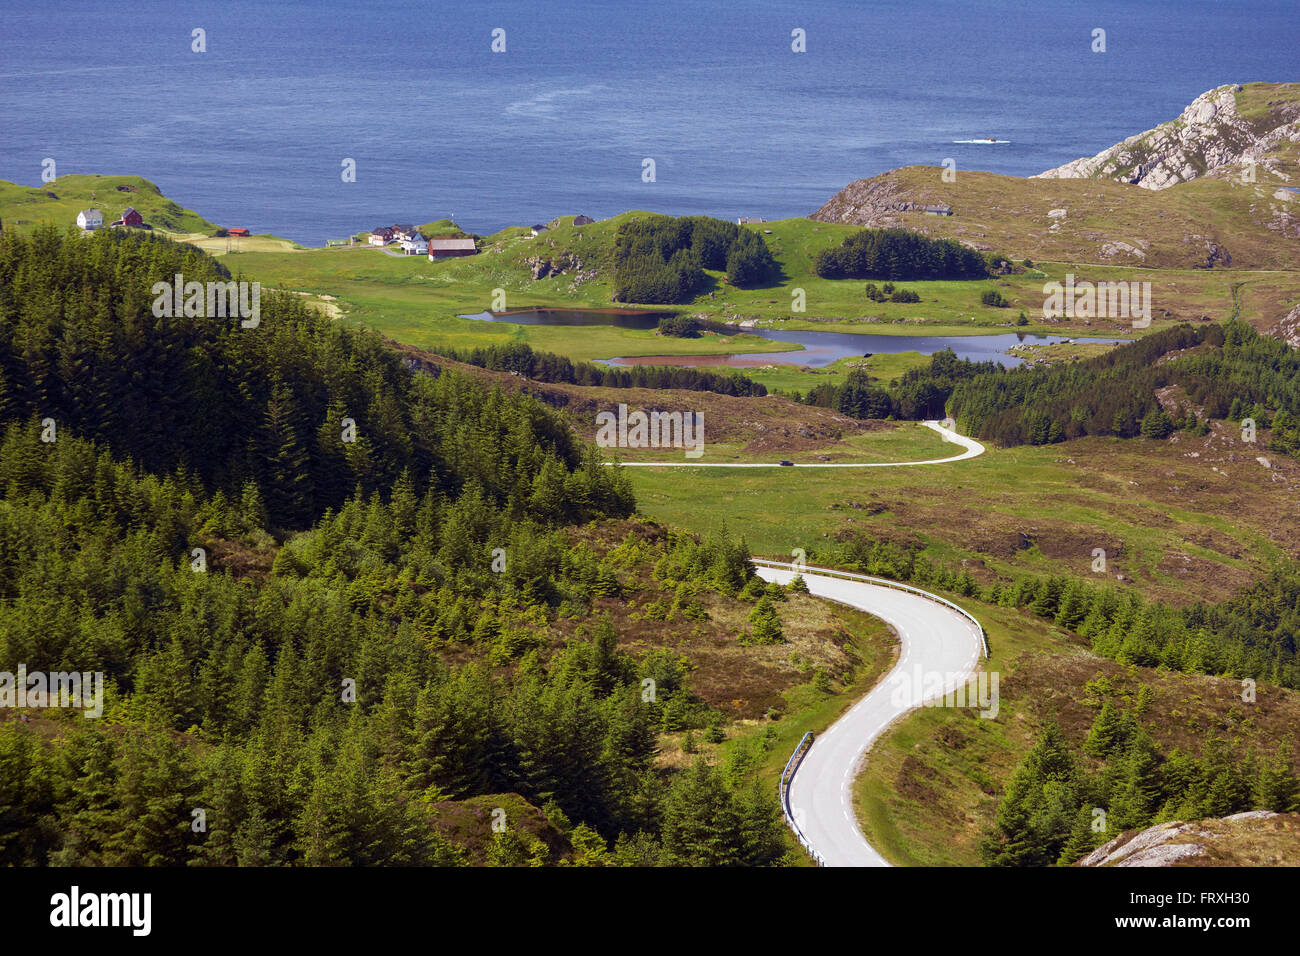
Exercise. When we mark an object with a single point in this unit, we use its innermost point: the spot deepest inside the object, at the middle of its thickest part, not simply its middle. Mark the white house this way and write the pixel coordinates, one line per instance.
(90, 219)
(415, 246)
(538, 229)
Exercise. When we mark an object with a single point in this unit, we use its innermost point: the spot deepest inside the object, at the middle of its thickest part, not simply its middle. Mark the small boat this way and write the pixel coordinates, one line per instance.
(986, 139)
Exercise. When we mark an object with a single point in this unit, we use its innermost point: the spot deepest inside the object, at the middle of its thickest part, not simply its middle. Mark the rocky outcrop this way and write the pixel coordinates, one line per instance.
(876, 202)
(1212, 133)
(543, 267)
(1254, 838)
(1111, 250)
(1288, 328)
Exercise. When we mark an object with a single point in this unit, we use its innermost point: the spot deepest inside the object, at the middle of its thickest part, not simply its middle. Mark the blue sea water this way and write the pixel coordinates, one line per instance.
(253, 131)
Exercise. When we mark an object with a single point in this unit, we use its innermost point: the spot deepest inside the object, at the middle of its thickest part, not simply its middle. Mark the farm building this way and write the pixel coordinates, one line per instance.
(538, 230)
(130, 218)
(90, 220)
(445, 247)
(237, 231)
(582, 220)
(749, 220)
(937, 210)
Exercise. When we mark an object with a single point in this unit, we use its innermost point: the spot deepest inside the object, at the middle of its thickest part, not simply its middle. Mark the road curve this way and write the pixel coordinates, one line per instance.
(973, 449)
(935, 640)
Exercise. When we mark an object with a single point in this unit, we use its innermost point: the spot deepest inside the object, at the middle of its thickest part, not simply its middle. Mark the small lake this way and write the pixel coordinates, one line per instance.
(819, 348)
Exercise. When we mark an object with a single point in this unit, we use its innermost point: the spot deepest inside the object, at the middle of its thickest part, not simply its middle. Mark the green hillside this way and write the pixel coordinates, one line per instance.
(24, 207)
(293, 515)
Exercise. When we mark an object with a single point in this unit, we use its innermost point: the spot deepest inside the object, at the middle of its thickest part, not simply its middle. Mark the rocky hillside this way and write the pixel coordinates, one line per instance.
(1232, 156)
(1257, 838)
(1228, 128)
(1205, 224)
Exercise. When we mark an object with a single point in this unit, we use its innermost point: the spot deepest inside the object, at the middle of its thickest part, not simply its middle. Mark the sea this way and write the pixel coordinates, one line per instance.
(759, 108)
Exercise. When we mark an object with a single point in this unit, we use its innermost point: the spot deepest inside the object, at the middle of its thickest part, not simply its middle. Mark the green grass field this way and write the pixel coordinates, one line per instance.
(881, 367)
(1191, 534)
(416, 301)
(947, 307)
(908, 441)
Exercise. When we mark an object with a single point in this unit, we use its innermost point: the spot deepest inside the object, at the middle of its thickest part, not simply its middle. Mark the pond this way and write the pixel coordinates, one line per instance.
(819, 349)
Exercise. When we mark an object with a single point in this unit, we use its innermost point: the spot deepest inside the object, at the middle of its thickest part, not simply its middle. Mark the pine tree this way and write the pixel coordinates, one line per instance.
(700, 822)
(155, 792)
(29, 789)
(1082, 839)
(89, 812)
(288, 479)
(1276, 787)
(1037, 811)
(1107, 733)
(1139, 786)
(765, 625)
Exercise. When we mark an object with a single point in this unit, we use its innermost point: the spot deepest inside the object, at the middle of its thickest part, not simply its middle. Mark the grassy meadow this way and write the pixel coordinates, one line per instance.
(1176, 527)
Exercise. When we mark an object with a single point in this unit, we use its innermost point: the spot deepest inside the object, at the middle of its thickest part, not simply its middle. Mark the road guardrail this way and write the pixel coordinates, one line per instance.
(883, 582)
(783, 793)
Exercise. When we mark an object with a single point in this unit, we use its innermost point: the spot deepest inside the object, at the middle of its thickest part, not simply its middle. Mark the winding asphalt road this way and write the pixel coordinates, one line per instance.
(935, 640)
(940, 648)
(973, 448)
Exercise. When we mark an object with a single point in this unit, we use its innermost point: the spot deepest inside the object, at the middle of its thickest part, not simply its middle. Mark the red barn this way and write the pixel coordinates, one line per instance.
(130, 218)
(238, 231)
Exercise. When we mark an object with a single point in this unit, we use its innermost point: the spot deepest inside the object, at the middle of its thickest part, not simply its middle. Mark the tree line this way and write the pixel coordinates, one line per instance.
(899, 254)
(661, 259)
(521, 358)
(305, 410)
(918, 394)
(1227, 369)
